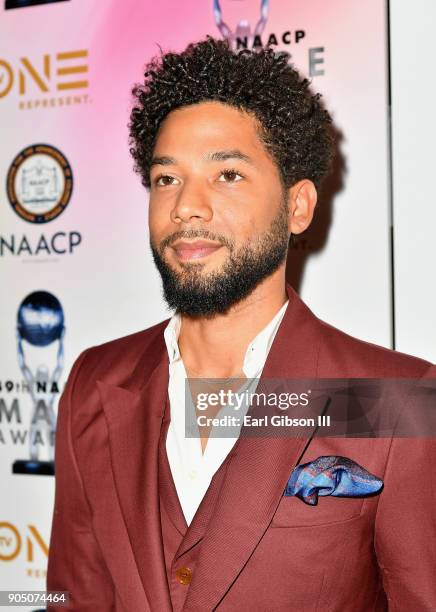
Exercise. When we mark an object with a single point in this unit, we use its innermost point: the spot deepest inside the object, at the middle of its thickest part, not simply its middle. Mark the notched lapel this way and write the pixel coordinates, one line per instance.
(134, 417)
(200, 521)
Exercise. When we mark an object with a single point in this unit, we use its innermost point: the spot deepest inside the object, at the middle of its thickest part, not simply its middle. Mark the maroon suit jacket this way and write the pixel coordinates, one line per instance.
(255, 549)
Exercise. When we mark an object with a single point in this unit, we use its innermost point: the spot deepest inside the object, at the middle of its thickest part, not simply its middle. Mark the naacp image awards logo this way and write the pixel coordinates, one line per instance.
(39, 183)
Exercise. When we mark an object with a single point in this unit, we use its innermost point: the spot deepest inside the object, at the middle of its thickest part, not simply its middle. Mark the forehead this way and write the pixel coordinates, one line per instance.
(208, 125)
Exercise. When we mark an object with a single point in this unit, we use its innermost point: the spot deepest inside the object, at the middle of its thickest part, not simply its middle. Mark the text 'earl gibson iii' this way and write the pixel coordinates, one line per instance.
(250, 421)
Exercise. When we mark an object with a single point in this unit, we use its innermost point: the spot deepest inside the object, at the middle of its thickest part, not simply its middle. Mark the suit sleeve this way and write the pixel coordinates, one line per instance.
(405, 527)
(75, 562)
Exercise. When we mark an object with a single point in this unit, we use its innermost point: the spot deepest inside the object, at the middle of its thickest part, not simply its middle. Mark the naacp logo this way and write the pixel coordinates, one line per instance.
(39, 183)
(249, 33)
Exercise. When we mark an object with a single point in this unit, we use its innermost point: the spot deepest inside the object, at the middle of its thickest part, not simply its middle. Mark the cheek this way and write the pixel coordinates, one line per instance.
(249, 217)
(158, 217)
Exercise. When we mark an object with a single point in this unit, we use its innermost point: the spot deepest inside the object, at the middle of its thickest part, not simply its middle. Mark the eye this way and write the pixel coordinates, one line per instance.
(230, 176)
(165, 179)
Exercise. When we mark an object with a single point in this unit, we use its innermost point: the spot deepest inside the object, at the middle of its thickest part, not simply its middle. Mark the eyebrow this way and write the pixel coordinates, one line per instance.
(165, 160)
(229, 154)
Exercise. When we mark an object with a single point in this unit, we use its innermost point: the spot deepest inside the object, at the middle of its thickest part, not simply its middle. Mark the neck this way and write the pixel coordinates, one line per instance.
(215, 347)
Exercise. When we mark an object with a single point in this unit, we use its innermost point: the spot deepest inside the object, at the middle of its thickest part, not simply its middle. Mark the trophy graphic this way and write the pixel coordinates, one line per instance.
(40, 322)
(243, 31)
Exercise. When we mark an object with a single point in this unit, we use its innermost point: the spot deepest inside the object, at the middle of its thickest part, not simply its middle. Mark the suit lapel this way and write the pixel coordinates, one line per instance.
(257, 470)
(200, 521)
(167, 489)
(134, 414)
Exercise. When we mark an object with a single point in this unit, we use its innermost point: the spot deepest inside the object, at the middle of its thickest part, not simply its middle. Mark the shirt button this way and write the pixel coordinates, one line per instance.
(193, 474)
(184, 575)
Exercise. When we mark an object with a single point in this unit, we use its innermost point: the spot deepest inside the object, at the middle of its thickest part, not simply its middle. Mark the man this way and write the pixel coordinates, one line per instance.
(232, 149)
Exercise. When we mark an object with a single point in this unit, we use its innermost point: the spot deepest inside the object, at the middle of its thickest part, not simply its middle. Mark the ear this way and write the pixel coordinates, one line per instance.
(302, 198)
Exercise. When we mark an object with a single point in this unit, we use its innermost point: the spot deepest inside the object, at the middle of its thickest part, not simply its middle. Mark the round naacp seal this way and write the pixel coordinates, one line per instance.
(39, 183)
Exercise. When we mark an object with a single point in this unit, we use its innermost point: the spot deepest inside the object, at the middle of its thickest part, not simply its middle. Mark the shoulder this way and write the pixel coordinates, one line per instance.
(129, 346)
(114, 360)
(358, 358)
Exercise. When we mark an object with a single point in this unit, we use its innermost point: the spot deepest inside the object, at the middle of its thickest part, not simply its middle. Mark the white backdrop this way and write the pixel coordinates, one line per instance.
(413, 162)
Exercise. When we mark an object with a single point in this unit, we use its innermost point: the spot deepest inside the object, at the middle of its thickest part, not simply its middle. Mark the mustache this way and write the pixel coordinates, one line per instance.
(207, 235)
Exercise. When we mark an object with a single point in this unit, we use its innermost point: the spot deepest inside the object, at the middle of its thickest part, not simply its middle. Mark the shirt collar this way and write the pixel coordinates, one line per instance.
(256, 353)
(258, 348)
(171, 334)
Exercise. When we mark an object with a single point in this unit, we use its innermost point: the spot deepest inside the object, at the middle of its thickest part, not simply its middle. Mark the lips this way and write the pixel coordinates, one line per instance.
(195, 250)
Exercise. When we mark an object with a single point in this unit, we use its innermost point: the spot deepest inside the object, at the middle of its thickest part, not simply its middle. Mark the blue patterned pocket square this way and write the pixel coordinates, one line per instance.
(331, 475)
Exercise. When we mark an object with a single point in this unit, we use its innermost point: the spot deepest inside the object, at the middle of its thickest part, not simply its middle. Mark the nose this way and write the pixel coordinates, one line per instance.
(192, 203)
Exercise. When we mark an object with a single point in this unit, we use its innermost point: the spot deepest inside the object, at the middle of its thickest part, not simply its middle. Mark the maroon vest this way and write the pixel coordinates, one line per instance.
(181, 543)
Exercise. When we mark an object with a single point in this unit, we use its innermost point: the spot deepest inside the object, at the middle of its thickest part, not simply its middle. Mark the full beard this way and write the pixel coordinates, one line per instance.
(194, 293)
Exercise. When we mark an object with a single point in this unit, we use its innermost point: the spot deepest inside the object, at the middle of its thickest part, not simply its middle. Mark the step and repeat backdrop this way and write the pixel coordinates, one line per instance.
(75, 266)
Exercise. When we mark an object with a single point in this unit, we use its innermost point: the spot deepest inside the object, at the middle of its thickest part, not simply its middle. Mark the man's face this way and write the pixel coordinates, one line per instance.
(218, 213)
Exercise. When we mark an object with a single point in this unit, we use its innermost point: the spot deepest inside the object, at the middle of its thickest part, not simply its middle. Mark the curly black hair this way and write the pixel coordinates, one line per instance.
(292, 124)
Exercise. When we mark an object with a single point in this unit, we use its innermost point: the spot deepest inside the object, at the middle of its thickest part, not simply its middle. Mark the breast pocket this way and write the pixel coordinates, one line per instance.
(293, 512)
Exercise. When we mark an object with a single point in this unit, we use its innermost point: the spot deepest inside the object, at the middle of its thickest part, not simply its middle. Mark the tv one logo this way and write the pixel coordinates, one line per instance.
(13, 542)
(58, 72)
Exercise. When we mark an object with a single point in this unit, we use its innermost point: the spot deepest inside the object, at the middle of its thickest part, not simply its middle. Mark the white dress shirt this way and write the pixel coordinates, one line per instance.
(192, 470)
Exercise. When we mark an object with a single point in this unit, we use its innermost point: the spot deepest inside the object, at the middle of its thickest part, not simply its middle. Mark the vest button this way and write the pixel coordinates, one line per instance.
(184, 575)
